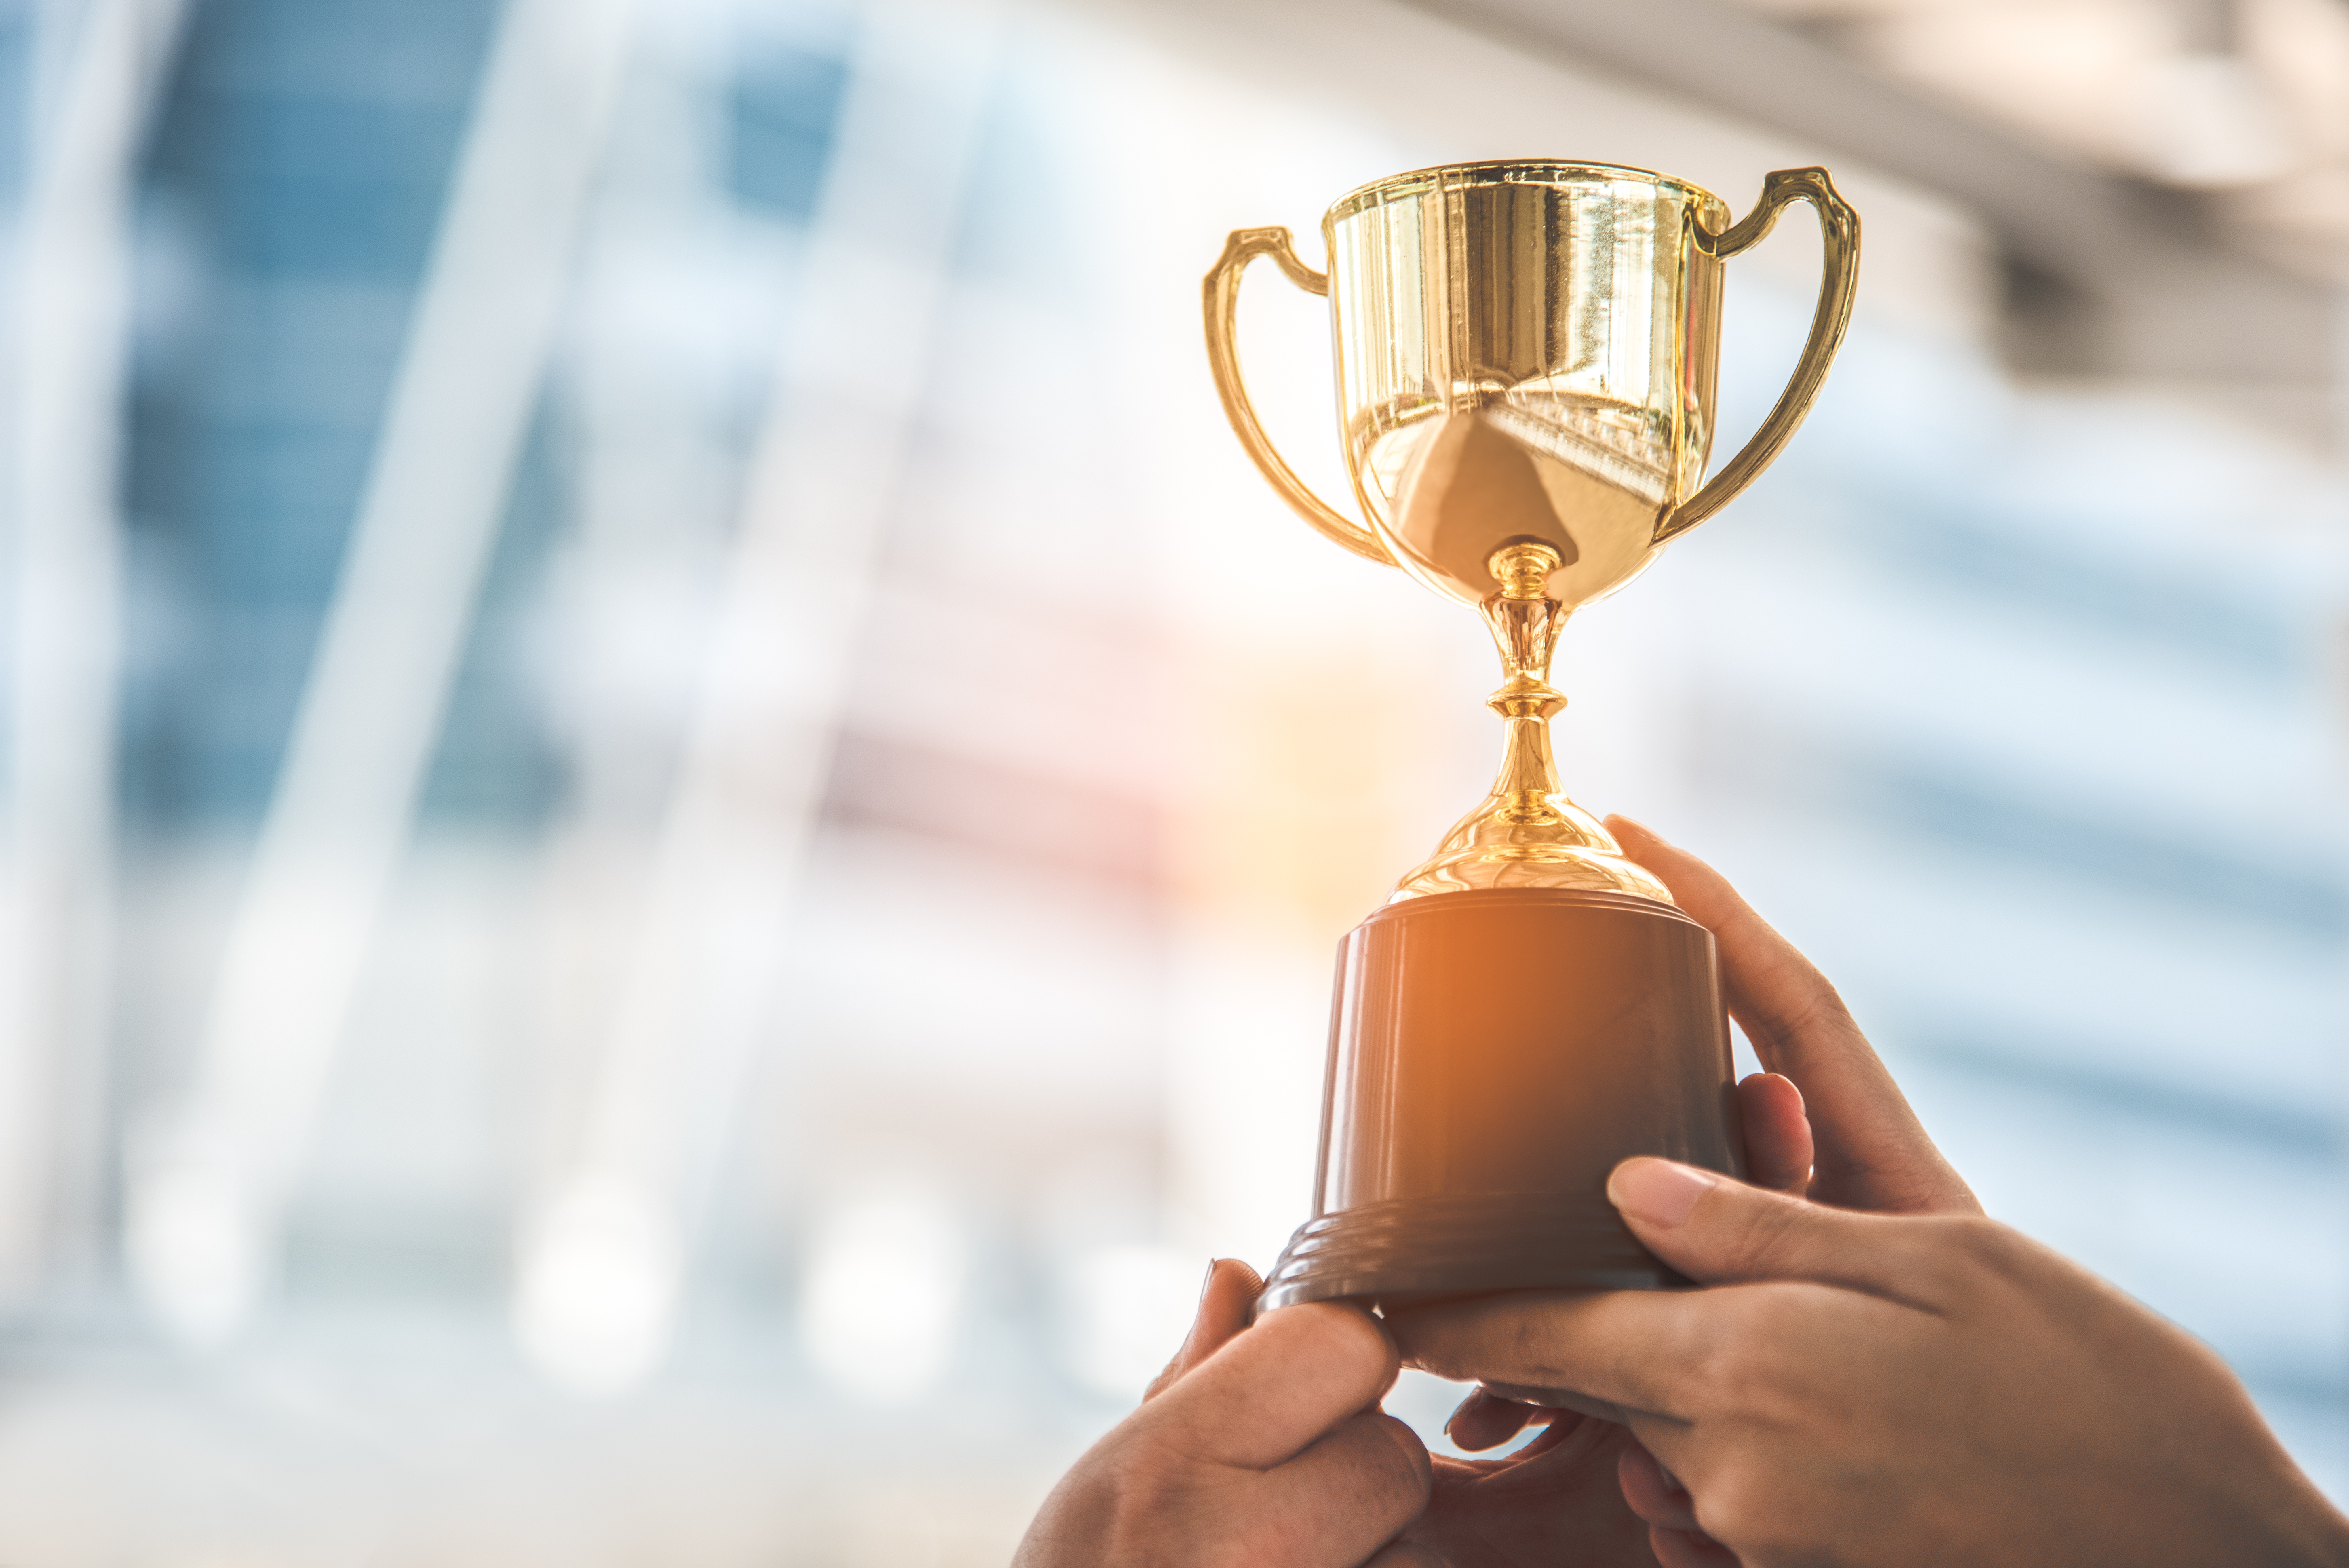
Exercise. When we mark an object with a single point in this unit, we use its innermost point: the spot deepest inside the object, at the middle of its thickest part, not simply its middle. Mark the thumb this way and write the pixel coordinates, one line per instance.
(1225, 1299)
(1718, 1231)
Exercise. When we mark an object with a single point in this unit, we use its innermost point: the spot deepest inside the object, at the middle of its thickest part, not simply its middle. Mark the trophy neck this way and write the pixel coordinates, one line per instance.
(1526, 623)
(1525, 832)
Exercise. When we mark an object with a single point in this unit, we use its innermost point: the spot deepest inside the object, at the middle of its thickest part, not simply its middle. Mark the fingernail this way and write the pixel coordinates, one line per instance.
(1208, 1281)
(1660, 1191)
(1635, 825)
(1461, 1408)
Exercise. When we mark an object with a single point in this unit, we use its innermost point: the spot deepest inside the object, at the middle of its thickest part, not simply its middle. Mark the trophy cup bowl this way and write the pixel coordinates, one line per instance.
(1525, 355)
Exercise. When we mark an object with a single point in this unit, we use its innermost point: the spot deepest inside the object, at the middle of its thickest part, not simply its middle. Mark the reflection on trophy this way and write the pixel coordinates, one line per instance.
(1525, 359)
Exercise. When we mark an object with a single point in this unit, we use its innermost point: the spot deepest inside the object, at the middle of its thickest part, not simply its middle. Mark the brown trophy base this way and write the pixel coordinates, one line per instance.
(1493, 1055)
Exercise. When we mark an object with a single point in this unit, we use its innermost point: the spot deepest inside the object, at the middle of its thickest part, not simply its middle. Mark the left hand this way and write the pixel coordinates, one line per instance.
(1259, 1447)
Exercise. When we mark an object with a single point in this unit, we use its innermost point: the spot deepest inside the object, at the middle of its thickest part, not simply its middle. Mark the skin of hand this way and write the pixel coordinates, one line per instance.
(1827, 1095)
(1912, 1390)
(1557, 1500)
(1562, 1498)
(1871, 1152)
(1258, 1445)
(1910, 1384)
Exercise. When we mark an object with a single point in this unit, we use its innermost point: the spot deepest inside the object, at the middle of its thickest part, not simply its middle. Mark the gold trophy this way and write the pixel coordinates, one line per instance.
(1526, 356)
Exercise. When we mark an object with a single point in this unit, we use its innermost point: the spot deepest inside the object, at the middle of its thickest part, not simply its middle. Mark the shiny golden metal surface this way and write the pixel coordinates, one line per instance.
(1525, 360)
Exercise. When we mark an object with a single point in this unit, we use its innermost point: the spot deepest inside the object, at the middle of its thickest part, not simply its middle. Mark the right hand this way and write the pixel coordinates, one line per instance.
(1805, 1427)
(1826, 1096)
(1924, 1392)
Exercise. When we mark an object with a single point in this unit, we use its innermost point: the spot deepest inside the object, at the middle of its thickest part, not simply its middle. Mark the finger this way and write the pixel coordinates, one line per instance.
(1777, 1133)
(1344, 1496)
(1559, 1427)
(1564, 1401)
(1872, 1150)
(1621, 1356)
(1641, 1356)
(1721, 1232)
(1781, 1001)
(1270, 1393)
(1485, 1420)
(1653, 1495)
(1409, 1555)
(1231, 1289)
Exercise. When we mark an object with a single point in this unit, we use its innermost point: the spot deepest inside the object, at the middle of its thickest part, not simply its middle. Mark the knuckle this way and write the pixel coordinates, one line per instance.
(1768, 1229)
(1793, 994)
(1942, 1261)
(1752, 1507)
(1725, 1365)
(1755, 1369)
(1468, 1341)
(1141, 1479)
(1121, 1511)
(1525, 1336)
(1979, 1241)
(1736, 1504)
(1987, 1248)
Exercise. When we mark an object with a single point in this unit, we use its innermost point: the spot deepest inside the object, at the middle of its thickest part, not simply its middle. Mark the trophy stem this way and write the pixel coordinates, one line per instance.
(1526, 622)
(1526, 833)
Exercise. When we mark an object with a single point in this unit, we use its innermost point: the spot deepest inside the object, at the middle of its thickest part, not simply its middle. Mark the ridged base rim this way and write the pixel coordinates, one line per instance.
(1410, 1252)
(1462, 899)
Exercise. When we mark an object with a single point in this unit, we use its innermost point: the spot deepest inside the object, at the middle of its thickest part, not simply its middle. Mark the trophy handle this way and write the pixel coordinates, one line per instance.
(1839, 232)
(1223, 302)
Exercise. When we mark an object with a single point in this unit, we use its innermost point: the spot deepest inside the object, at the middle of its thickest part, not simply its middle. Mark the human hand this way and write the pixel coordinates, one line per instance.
(1257, 1446)
(1828, 1097)
(1912, 1390)
(1556, 1501)
(1834, 1102)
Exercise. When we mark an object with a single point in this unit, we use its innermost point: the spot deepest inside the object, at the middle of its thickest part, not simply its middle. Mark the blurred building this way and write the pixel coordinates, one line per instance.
(677, 812)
